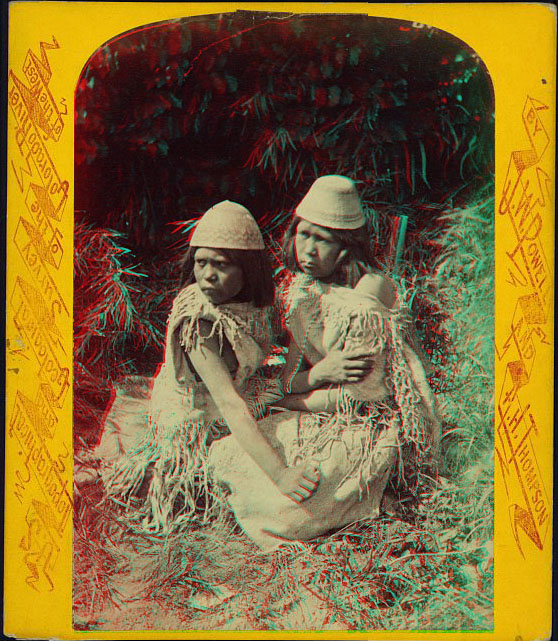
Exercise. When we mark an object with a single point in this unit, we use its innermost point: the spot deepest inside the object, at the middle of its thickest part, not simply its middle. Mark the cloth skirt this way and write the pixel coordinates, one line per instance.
(356, 456)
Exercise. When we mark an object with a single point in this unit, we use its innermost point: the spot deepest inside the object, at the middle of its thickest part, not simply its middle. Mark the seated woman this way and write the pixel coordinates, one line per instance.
(217, 336)
(359, 403)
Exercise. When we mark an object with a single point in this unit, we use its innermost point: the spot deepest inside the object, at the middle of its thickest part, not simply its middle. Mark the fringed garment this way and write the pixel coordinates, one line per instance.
(168, 431)
(378, 430)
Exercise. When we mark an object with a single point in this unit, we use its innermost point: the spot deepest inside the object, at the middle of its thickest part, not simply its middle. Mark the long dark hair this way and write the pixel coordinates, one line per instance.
(257, 275)
(358, 261)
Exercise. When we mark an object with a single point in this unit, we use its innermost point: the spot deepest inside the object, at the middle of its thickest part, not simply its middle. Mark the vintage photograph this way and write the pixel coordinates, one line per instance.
(283, 319)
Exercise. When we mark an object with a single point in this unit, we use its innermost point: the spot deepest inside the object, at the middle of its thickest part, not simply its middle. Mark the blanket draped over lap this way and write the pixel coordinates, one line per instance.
(158, 433)
(377, 430)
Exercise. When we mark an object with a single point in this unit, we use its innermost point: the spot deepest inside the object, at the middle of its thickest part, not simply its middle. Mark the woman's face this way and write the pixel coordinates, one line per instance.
(218, 278)
(317, 251)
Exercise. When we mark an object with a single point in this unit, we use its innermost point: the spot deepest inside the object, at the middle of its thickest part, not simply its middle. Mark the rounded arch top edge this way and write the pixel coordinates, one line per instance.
(318, 11)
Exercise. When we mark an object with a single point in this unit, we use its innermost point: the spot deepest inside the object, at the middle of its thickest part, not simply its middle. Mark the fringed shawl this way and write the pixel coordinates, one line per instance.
(247, 329)
(321, 317)
(183, 418)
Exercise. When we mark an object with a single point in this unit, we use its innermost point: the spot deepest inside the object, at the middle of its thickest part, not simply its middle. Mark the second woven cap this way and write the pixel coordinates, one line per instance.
(227, 225)
(332, 201)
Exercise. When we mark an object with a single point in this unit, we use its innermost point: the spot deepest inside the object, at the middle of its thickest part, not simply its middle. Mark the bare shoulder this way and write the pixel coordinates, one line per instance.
(378, 285)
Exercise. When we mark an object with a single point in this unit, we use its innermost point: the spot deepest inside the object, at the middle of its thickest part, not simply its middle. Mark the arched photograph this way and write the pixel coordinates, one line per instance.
(284, 327)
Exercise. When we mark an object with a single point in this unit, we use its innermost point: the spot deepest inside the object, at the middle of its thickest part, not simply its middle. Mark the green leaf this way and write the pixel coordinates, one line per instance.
(326, 70)
(232, 83)
(354, 55)
(334, 95)
(177, 102)
(347, 97)
(423, 163)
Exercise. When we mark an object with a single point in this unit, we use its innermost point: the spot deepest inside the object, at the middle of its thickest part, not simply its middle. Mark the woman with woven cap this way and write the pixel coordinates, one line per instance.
(358, 402)
(217, 336)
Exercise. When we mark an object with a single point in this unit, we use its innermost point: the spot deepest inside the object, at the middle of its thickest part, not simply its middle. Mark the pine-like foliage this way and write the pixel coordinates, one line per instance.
(174, 117)
(117, 318)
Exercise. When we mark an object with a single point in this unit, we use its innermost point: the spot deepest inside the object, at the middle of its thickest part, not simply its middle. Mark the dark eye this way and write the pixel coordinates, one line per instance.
(304, 234)
(200, 262)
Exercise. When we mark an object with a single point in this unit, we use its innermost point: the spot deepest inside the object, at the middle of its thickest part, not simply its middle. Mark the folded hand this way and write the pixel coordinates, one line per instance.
(299, 482)
(343, 367)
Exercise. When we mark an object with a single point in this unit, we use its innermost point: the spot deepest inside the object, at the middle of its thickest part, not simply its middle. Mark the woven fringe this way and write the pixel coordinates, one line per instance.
(234, 320)
(261, 393)
(179, 478)
(175, 453)
(414, 424)
(367, 328)
(320, 431)
(382, 332)
(180, 490)
(378, 330)
(359, 327)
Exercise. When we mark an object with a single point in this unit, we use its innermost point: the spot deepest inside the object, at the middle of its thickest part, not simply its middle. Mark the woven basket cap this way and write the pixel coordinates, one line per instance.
(332, 201)
(227, 225)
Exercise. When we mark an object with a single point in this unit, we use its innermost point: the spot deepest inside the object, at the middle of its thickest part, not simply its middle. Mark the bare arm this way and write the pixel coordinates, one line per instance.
(320, 400)
(335, 368)
(297, 376)
(299, 482)
(295, 365)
